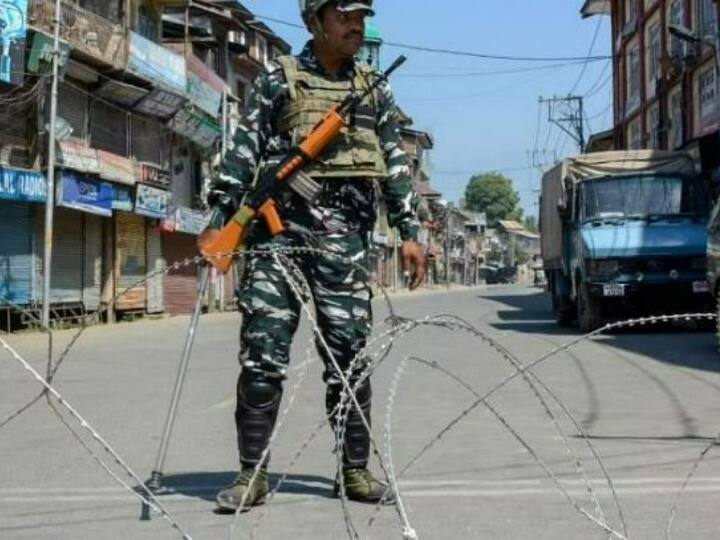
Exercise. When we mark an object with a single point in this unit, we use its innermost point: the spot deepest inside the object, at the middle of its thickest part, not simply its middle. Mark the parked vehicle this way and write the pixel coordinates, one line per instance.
(624, 232)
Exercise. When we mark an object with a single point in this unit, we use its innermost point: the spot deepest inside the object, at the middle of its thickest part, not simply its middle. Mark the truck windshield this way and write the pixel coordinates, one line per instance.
(644, 196)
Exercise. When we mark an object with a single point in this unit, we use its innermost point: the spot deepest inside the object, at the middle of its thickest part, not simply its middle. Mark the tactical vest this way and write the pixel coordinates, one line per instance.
(356, 152)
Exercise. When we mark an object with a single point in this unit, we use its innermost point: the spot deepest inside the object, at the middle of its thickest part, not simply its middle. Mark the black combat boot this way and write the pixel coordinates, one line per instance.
(258, 403)
(360, 485)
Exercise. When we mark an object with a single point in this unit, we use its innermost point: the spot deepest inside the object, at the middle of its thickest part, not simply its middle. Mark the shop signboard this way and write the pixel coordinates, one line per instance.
(196, 127)
(116, 168)
(77, 156)
(189, 221)
(205, 88)
(122, 198)
(41, 53)
(85, 194)
(122, 93)
(160, 103)
(149, 173)
(157, 64)
(19, 185)
(152, 202)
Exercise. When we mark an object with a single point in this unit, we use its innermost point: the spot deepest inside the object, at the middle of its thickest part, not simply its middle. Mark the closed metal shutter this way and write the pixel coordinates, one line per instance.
(16, 253)
(66, 278)
(92, 268)
(73, 108)
(155, 300)
(131, 262)
(109, 128)
(181, 283)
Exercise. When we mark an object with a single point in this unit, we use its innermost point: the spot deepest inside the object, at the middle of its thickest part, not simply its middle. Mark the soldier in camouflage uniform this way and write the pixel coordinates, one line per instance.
(283, 106)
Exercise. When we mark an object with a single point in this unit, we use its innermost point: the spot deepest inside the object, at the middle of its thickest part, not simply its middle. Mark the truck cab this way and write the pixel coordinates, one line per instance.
(632, 239)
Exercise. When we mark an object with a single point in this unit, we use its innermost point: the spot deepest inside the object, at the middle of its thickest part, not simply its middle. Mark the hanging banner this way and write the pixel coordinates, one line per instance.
(13, 32)
(152, 202)
(85, 194)
(122, 198)
(79, 157)
(205, 87)
(19, 185)
(157, 64)
(116, 168)
(199, 129)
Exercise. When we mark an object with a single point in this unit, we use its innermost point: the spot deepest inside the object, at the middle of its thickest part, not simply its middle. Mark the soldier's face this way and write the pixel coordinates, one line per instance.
(344, 31)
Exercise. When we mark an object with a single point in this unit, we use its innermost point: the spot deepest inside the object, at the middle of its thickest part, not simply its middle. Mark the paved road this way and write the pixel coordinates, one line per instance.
(647, 399)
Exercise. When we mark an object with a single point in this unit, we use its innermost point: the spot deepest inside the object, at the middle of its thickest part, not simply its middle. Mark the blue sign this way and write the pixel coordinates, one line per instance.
(122, 198)
(85, 194)
(17, 185)
(13, 30)
(157, 64)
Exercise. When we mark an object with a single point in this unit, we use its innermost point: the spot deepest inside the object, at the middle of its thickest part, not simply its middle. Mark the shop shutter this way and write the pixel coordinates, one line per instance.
(131, 262)
(16, 253)
(155, 300)
(73, 108)
(181, 283)
(109, 128)
(66, 278)
(92, 268)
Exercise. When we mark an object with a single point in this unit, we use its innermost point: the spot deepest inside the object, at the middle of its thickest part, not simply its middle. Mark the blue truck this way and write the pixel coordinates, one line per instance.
(624, 232)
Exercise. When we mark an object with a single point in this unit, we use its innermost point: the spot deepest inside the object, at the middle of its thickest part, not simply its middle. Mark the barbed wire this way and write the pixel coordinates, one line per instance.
(375, 352)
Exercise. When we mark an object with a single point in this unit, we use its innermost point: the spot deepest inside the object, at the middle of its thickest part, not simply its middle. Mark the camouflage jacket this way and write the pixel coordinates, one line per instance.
(258, 139)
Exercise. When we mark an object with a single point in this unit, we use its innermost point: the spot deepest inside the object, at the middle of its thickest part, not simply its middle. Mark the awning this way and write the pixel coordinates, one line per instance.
(596, 7)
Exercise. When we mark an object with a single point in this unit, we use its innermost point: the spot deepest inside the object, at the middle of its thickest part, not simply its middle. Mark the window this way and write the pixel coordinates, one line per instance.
(706, 17)
(676, 15)
(262, 50)
(147, 24)
(633, 77)
(634, 135)
(675, 114)
(653, 126)
(653, 52)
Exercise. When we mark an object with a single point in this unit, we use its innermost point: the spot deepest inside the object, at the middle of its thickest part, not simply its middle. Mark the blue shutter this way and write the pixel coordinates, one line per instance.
(16, 258)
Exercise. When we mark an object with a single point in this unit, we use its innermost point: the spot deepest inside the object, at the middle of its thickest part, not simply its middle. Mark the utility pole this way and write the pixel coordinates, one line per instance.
(568, 113)
(448, 247)
(50, 200)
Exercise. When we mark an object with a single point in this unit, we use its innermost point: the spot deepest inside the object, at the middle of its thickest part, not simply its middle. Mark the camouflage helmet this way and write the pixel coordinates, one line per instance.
(309, 8)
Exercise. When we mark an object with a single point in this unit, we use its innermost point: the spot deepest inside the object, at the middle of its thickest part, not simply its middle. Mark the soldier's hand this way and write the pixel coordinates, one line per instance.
(413, 256)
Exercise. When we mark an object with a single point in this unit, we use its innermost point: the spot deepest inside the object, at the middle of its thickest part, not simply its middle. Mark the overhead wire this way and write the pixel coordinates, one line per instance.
(456, 52)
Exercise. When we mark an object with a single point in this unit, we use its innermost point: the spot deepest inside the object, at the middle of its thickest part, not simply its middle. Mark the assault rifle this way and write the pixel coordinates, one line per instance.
(261, 202)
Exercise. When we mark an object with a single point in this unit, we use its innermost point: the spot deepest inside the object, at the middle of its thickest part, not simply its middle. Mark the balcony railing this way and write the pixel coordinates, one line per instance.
(92, 35)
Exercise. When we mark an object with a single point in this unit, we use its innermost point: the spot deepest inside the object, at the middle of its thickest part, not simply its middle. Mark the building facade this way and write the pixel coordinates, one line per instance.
(149, 95)
(665, 92)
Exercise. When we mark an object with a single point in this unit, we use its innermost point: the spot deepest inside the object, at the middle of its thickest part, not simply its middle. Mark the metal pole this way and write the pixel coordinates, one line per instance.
(448, 248)
(395, 261)
(155, 482)
(224, 124)
(50, 201)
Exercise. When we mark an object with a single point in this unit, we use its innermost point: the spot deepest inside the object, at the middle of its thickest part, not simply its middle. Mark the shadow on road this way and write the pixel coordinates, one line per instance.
(205, 485)
(687, 344)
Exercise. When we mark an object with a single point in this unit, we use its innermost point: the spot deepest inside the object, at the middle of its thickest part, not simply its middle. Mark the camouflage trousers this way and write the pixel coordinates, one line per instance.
(337, 281)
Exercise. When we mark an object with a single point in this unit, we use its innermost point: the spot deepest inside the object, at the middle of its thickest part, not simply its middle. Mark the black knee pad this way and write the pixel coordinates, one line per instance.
(257, 390)
(363, 393)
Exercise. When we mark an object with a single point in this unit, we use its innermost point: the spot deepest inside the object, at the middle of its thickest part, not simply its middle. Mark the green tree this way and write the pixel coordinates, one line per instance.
(493, 194)
(531, 223)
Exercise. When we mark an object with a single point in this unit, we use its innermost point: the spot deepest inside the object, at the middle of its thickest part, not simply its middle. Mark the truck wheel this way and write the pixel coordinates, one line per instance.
(588, 310)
